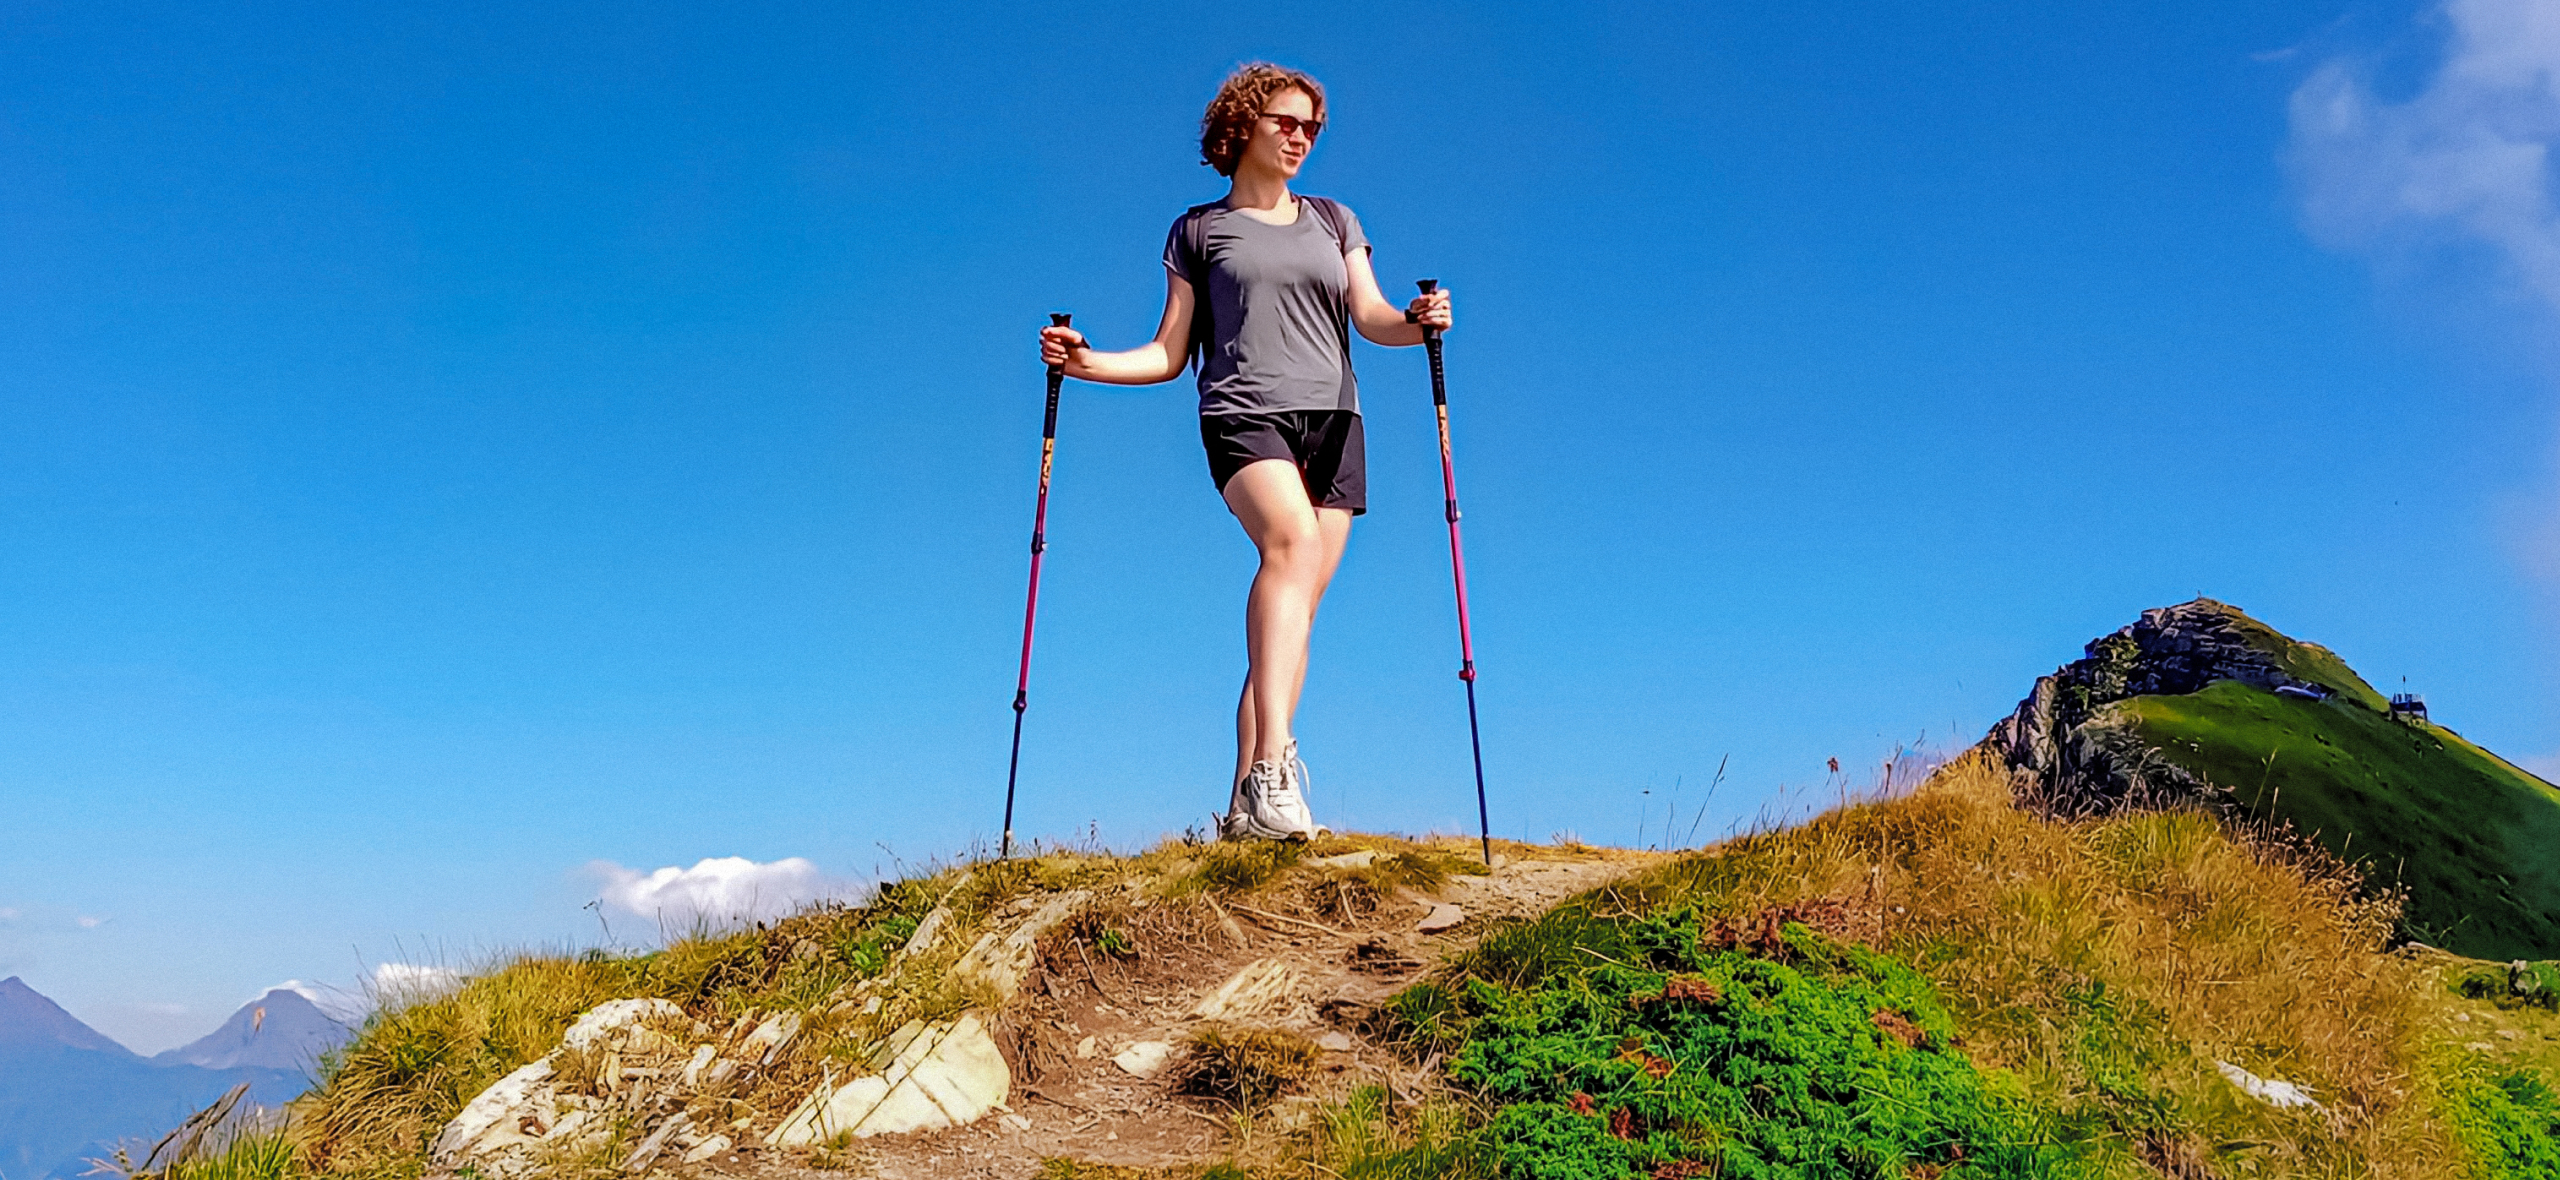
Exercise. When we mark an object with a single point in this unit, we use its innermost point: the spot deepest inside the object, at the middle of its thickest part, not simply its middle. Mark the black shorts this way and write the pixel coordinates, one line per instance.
(1324, 445)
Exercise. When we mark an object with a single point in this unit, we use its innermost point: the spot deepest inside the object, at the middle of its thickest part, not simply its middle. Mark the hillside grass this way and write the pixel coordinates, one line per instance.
(2474, 840)
(2070, 987)
(2106, 966)
(419, 1059)
(2309, 661)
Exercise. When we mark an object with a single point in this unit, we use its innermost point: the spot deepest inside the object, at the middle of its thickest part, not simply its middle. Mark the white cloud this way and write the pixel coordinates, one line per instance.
(2466, 159)
(89, 923)
(716, 890)
(393, 984)
(8, 913)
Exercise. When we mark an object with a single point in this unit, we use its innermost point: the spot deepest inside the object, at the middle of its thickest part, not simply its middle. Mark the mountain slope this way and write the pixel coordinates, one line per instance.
(2475, 840)
(30, 1021)
(279, 1030)
(2199, 704)
(68, 1093)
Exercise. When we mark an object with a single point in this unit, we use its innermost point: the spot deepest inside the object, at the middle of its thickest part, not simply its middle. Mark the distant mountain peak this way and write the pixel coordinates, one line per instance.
(282, 1029)
(29, 1020)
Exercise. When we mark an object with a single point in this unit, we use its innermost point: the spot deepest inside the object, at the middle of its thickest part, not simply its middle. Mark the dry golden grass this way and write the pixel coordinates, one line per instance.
(2110, 963)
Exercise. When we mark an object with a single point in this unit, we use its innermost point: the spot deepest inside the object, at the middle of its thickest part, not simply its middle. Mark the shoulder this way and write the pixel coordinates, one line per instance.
(1328, 205)
(1198, 213)
(1338, 220)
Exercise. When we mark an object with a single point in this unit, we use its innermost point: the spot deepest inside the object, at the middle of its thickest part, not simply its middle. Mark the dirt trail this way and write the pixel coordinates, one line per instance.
(1310, 953)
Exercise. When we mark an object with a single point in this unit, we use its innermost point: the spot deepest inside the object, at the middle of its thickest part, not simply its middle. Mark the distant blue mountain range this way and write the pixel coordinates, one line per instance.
(69, 1094)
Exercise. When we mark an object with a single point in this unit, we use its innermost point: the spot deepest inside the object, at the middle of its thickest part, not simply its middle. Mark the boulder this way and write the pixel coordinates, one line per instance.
(940, 1075)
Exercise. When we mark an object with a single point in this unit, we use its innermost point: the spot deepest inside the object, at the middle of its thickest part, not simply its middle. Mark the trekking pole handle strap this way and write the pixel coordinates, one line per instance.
(1428, 286)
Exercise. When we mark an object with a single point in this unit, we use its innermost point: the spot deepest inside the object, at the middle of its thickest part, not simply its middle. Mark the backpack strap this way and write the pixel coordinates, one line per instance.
(1329, 211)
(1195, 258)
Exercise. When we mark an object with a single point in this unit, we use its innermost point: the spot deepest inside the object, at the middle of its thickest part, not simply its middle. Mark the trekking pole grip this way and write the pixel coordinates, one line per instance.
(1058, 319)
(1430, 335)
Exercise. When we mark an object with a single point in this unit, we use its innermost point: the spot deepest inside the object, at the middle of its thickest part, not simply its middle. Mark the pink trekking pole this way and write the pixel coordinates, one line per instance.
(1031, 608)
(1458, 571)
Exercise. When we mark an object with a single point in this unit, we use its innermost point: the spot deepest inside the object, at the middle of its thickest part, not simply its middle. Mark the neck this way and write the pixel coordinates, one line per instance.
(1257, 190)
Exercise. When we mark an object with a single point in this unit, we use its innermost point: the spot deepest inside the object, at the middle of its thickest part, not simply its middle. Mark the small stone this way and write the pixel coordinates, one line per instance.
(1337, 1041)
(702, 1059)
(1144, 1059)
(707, 1148)
(1443, 916)
(1084, 1049)
(647, 1153)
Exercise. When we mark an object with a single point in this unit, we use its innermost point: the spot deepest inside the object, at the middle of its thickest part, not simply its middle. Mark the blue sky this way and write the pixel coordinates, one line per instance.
(458, 464)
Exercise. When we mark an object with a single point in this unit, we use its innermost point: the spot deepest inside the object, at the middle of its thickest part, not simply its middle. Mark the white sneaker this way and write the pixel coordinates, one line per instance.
(1302, 783)
(1253, 815)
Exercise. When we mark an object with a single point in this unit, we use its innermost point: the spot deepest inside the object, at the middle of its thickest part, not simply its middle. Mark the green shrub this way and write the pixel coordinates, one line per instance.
(1623, 1046)
(2511, 1125)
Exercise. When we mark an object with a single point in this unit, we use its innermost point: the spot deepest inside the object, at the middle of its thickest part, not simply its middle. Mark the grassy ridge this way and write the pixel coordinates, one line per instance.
(2475, 841)
(2100, 970)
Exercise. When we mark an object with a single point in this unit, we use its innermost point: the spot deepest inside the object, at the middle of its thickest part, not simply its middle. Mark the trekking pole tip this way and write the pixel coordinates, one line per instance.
(1058, 319)
(1428, 285)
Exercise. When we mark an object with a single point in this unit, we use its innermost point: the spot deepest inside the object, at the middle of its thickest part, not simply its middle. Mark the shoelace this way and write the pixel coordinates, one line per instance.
(1283, 796)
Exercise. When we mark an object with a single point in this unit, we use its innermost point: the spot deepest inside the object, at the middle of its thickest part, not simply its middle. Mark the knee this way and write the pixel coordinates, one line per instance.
(1297, 549)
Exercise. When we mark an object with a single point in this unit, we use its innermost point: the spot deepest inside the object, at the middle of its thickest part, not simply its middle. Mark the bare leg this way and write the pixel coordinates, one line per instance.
(1335, 526)
(1301, 546)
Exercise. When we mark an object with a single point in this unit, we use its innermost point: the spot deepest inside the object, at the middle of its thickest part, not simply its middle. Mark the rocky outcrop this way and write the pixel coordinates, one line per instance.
(637, 1065)
(931, 1076)
(646, 1070)
(2070, 741)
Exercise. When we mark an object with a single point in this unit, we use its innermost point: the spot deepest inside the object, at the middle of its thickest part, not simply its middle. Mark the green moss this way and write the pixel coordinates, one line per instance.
(2475, 841)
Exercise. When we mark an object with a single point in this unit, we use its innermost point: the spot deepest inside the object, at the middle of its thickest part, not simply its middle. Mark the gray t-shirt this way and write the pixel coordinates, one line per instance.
(1279, 312)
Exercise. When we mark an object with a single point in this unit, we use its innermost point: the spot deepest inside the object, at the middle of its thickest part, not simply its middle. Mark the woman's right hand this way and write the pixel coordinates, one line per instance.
(1057, 343)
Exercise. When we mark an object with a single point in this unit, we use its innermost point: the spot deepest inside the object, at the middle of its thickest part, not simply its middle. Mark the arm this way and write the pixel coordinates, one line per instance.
(1381, 322)
(1160, 359)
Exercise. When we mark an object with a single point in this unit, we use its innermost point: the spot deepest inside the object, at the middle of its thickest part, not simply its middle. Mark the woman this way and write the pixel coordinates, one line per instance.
(1261, 291)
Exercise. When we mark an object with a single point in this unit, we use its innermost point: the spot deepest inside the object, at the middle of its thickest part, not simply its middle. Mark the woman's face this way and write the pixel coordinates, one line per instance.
(1276, 152)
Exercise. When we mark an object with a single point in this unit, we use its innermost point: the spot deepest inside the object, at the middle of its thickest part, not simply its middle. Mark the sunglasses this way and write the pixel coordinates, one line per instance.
(1292, 125)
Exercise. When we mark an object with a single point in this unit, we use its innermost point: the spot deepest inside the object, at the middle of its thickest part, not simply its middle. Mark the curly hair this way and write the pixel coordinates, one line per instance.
(1228, 123)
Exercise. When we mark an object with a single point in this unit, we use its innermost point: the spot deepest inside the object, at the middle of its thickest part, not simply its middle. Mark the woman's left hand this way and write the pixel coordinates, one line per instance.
(1430, 311)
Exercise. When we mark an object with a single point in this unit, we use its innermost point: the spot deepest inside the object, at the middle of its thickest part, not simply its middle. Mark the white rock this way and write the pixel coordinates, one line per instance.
(927, 930)
(1084, 1049)
(1349, 860)
(942, 1075)
(1336, 1041)
(613, 1019)
(647, 1153)
(2279, 1094)
(1145, 1059)
(490, 1121)
(1004, 961)
(707, 1148)
(769, 1037)
(703, 1056)
(1443, 916)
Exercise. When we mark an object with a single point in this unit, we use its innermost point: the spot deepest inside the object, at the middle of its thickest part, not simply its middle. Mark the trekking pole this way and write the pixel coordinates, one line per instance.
(1031, 607)
(1458, 572)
